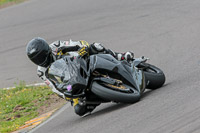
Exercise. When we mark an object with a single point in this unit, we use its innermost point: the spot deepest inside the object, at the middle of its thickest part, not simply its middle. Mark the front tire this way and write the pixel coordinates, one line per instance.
(114, 95)
(154, 76)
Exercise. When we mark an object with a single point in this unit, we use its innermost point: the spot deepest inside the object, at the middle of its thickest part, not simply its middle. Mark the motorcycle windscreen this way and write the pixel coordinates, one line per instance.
(62, 71)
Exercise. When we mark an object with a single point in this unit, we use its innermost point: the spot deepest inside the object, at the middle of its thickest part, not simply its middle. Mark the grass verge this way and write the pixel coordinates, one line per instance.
(23, 103)
(5, 3)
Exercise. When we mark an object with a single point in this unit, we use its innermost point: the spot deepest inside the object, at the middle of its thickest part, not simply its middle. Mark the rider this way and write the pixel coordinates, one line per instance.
(42, 54)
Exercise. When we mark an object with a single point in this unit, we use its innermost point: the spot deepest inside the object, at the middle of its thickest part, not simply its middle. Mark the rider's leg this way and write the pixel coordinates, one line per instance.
(121, 56)
(96, 48)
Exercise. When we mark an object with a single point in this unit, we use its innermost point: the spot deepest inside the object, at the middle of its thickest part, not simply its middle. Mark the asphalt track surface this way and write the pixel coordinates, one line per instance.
(166, 31)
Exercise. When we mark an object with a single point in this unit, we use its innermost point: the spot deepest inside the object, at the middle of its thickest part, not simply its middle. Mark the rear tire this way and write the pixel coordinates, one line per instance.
(113, 95)
(155, 78)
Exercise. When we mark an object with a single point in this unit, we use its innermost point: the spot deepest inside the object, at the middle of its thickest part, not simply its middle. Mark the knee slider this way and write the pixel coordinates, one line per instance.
(80, 110)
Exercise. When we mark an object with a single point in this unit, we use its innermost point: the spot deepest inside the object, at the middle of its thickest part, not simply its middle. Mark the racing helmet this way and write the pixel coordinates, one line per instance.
(39, 52)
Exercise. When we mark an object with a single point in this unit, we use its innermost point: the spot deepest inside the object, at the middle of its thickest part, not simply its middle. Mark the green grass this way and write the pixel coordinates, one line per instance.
(7, 1)
(20, 104)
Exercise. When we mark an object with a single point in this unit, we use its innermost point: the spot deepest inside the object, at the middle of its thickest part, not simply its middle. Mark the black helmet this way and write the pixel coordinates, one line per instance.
(39, 52)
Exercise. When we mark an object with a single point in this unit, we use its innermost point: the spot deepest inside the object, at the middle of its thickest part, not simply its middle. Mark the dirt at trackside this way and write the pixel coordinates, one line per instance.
(52, 103)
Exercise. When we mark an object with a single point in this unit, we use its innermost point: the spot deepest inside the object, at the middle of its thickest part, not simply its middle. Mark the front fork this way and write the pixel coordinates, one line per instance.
(139, 74)
(137, 61)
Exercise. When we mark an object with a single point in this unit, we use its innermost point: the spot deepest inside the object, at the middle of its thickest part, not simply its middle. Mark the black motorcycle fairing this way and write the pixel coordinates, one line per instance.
(67, 72)
(76, 73)
(109, 63)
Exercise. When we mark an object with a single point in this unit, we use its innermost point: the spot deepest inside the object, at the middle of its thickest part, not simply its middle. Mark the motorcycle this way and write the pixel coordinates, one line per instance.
(101, 78)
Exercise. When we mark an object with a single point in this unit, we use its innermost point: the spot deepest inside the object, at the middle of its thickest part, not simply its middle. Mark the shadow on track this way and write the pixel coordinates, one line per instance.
(111, 108)
(106, 110)
(148, 91)
(115, 107)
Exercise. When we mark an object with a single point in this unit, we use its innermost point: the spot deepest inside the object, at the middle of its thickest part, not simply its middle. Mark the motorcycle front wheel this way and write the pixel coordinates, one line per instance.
(154, 76)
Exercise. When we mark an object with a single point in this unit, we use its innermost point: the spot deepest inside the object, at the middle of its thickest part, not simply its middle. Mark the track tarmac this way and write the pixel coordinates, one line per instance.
(166, 31)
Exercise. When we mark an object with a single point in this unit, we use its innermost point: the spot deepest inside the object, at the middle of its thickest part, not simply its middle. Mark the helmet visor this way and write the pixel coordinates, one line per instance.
(42, 58)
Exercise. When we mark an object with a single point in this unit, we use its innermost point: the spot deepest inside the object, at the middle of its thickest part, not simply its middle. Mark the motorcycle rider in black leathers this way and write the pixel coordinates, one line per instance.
(42, 54)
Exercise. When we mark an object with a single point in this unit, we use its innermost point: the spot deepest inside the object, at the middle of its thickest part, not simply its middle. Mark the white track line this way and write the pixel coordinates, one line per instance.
(36, 84)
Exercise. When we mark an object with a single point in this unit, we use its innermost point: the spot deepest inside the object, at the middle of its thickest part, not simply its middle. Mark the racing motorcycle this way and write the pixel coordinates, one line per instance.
(101, 78)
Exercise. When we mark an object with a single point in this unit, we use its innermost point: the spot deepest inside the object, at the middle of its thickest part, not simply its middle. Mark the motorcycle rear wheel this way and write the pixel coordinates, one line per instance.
(113, 93)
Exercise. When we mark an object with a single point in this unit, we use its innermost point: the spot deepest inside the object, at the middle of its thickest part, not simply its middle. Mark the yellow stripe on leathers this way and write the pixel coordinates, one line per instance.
(84, 43)
(60, 53)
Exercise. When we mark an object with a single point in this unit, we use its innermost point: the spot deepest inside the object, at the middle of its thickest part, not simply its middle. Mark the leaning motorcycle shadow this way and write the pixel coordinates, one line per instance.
(149, 91)
(117, 106)
(109, 108)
